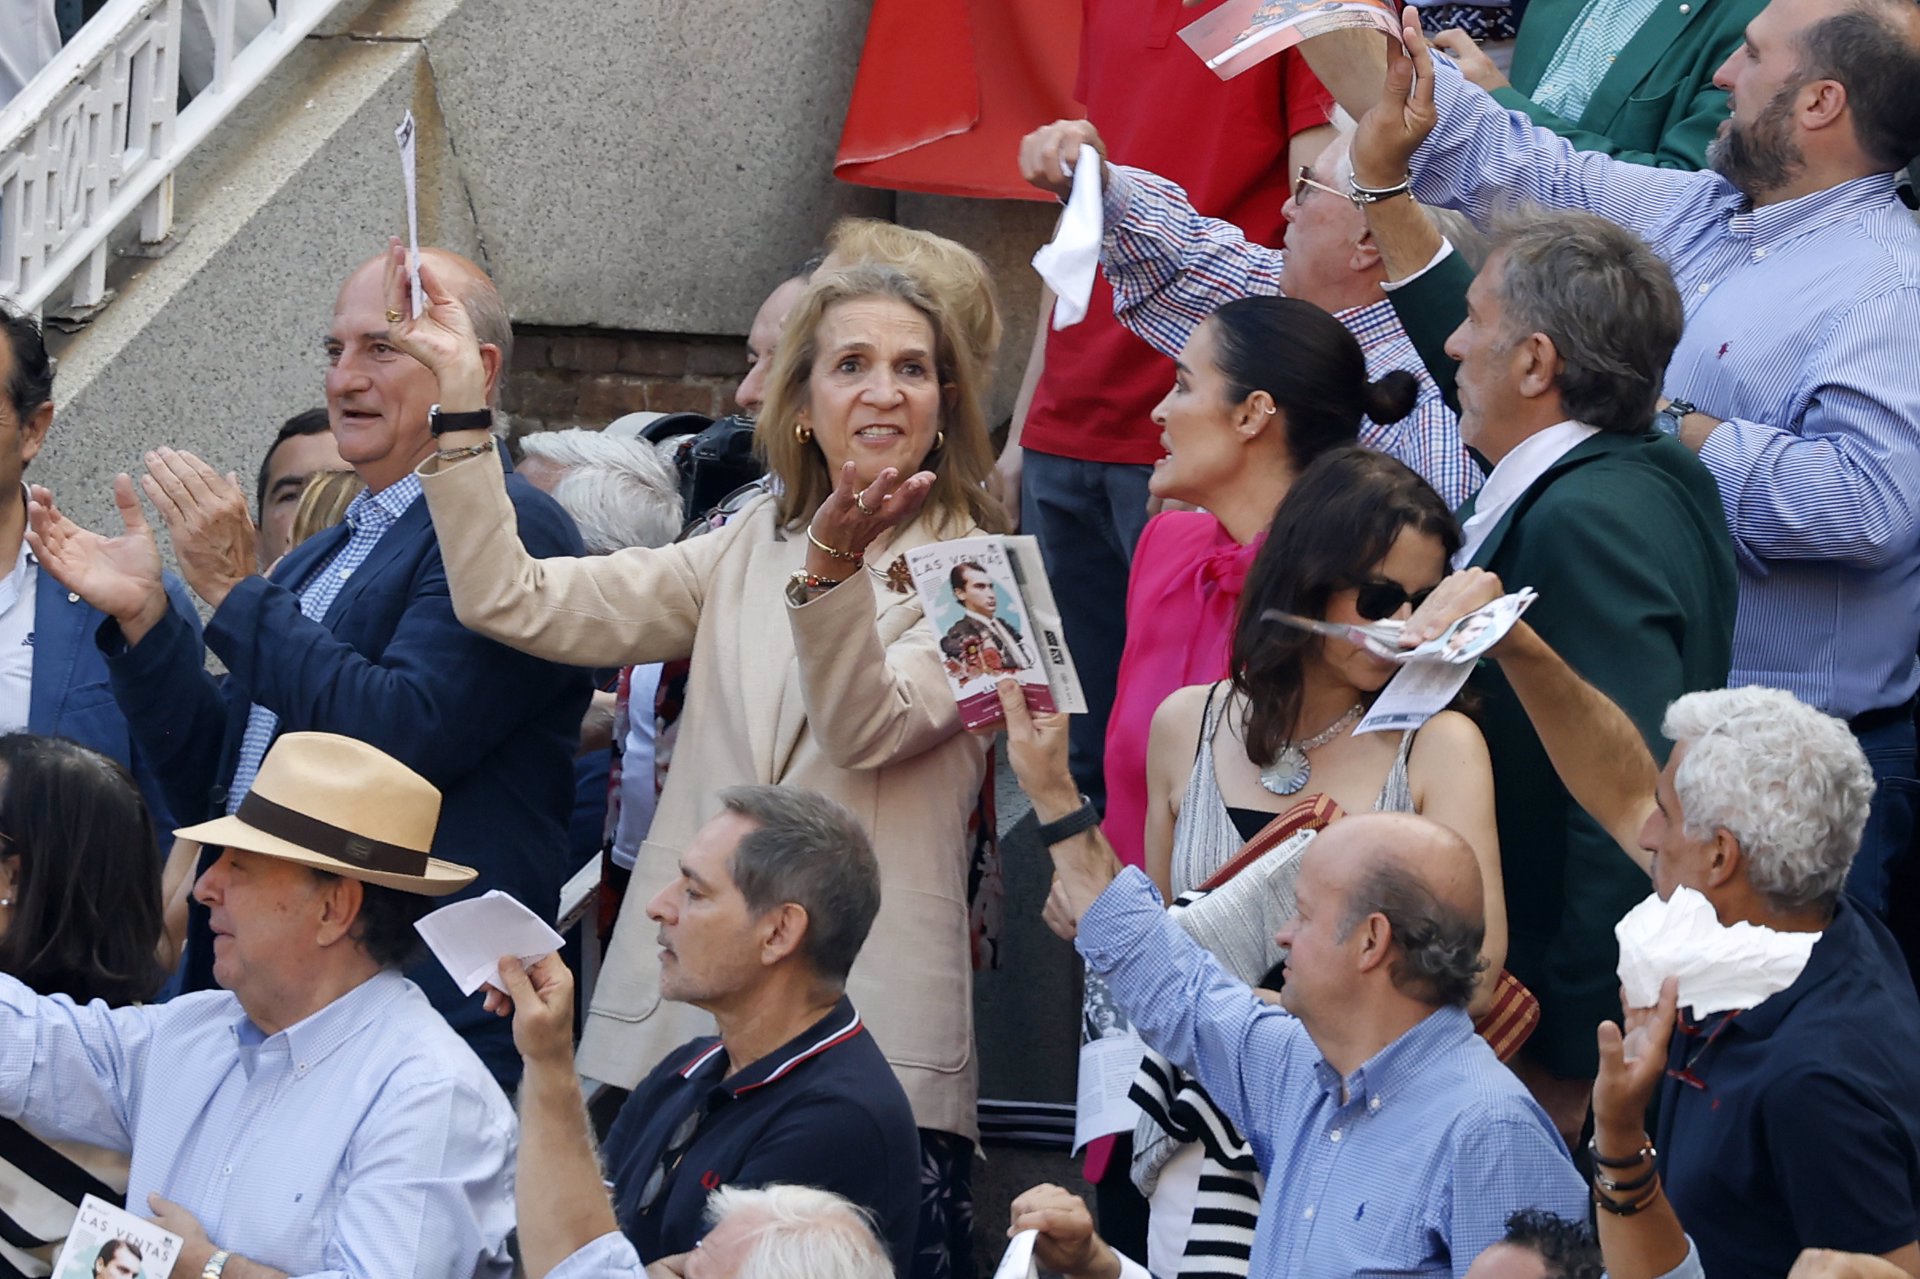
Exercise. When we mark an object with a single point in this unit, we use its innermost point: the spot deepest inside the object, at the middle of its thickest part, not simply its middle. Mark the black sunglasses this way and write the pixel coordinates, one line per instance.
(1380, 599)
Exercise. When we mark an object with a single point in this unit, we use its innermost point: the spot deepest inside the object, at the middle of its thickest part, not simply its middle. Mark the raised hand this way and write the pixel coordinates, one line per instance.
(1473, 62)
(1048, 154)
(1067, 1244)
(440, 337)
(1395, 126)
(120, 576)
(1457, 595)
(540, 1001)
(207, 517)
(1633, 1060)
(852, 517)
(1037, 749)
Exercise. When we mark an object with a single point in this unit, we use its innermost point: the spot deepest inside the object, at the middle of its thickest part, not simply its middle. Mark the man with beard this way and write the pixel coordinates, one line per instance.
(1800, 274)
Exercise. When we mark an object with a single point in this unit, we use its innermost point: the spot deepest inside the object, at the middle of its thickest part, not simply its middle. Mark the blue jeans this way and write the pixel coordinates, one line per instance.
(1888, 840)
(1087, 515)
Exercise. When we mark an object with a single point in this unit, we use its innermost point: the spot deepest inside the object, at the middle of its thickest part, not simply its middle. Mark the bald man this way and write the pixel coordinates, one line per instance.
(354, 634)
(1391, 1138)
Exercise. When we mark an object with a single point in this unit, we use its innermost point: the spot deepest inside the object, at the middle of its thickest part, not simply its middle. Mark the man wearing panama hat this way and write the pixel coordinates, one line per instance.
(316, 1115)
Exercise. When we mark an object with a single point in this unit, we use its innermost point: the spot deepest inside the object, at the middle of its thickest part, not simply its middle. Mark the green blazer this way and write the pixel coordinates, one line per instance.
(1430, 309)
(1656, 104)
(1626, 541)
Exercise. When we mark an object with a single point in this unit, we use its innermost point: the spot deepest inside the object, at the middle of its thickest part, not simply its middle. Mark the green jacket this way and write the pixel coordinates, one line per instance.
(1626, 542)
(1657, 104)
(1430, 309)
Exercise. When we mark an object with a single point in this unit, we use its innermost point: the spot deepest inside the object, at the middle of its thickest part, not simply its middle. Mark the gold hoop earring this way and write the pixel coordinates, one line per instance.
(802, 432)
(939, 440)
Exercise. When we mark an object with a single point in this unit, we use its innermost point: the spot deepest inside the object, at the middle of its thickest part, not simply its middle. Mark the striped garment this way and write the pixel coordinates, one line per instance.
(1171, 268)
(1799, 332)
(1588, 50)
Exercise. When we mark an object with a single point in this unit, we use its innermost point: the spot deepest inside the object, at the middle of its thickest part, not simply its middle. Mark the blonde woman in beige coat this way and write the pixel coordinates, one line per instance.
(812, 663)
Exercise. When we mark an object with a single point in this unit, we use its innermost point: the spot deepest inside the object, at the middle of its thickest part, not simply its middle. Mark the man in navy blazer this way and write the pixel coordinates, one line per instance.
(53, 679)
(353, 634)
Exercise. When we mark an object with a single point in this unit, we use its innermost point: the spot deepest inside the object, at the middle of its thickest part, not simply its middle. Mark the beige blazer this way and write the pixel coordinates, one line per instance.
(845, 695)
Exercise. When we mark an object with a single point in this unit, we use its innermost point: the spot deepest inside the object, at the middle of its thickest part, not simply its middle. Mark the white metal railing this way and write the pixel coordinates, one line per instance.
(95, 137)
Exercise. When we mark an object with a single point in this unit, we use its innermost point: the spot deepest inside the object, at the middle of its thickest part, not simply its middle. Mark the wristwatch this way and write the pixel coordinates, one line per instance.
(477, 420)
(1667, 420)
(216, 1265)
(1083, 818)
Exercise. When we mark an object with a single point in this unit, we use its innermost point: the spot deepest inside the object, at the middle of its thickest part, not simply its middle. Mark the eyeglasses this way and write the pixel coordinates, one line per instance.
(1378, 599)
(1303, 178)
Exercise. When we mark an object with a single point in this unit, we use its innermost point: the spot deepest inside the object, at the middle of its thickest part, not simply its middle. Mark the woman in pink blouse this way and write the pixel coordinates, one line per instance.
(1262, 387)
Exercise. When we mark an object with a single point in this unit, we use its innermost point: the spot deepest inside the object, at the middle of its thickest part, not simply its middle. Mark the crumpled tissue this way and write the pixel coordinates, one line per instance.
(1068, 261)
(1720, 967)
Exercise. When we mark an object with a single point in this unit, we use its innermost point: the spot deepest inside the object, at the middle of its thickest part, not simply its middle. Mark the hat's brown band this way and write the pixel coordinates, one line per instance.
(329, 840)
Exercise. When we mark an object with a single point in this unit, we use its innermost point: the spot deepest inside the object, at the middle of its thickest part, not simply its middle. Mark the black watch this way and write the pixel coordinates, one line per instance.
(1083, 818)
(440, 423)
(1667, 421)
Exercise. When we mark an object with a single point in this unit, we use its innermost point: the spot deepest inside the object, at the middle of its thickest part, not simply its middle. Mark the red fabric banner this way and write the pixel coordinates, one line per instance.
(947, 88)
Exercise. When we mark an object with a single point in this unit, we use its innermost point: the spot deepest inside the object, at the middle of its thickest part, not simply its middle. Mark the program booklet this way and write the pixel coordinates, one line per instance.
(107, 1240)
(1244, 33)
(989, 601)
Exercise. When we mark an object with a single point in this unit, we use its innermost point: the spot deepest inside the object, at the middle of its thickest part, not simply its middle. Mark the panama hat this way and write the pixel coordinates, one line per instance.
(339, 805)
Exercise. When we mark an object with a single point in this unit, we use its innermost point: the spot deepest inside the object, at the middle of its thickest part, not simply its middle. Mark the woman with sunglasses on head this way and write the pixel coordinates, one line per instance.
(1262, 388)
(1359, 538)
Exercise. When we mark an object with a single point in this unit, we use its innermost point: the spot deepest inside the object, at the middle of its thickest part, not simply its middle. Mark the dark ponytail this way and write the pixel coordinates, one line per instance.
(1312, 367)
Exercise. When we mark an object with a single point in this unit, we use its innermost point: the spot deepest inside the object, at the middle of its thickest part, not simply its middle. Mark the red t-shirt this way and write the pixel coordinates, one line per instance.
(1158, 108)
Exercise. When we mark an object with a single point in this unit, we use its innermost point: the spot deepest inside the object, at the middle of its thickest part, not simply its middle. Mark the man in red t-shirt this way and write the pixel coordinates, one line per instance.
(1083, 443)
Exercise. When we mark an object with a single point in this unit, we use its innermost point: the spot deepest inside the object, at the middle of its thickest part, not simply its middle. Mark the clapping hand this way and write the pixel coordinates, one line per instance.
(208, 519)
(120, 576)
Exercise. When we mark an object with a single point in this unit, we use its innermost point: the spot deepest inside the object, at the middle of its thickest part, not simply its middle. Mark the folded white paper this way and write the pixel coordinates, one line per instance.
(1017, 1262)
(1720, 967)
(469, 937)
(1068, 262)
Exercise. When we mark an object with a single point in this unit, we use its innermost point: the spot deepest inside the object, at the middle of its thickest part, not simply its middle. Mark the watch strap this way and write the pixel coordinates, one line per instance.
(216, 1265)
(1083, 818)
(477, 420)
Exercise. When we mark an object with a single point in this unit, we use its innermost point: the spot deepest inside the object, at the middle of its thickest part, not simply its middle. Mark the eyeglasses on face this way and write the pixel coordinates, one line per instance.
(1303, 178)
(1378, 598)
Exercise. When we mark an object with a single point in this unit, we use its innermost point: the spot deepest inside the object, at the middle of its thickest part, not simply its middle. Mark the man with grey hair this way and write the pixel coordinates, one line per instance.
(773, 901)
(1793, 1123)
(1568, 328)
(618, 491)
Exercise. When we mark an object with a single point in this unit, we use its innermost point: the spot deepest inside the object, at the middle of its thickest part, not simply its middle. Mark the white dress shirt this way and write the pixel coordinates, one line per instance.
(17, 608)
(1512, 476)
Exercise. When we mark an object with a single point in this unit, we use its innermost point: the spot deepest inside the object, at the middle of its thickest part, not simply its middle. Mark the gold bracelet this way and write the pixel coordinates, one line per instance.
(460, 455)
(851, 557)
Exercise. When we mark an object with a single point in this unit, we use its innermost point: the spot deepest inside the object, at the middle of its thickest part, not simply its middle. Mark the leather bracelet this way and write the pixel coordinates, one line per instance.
(1645, 1152)
(474, 420)
(1626, 1209)
(1083, 818)
(216, 1265)
(850, 557)
(1608, 1184)
(460, 455)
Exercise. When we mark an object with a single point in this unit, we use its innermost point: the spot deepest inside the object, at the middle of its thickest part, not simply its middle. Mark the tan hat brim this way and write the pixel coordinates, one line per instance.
(230, 832)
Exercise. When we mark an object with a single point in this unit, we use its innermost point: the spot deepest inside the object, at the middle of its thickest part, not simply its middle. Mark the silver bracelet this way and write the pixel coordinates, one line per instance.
(1373, 195)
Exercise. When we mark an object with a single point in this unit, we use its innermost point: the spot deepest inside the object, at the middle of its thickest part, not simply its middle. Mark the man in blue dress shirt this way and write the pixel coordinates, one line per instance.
(316, 1117)
(1800, 273)
(1393, 1141)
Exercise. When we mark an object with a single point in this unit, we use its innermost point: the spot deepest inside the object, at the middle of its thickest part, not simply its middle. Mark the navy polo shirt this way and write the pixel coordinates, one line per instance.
(823, 1110)
(1801, 1126)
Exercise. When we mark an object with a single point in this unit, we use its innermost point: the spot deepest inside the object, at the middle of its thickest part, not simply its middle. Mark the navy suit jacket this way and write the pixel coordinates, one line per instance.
(389, 664)
(71, 696)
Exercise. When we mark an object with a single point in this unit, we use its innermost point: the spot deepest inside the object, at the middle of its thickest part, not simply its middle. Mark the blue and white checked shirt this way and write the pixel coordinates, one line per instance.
(369, 516)
(1415, 1172)
(366, 1141)
(1586, 53)
(1171, 268)
(1800, 323)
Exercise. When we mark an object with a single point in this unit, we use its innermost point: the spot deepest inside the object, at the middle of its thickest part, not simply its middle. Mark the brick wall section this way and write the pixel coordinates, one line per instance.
(589, 377)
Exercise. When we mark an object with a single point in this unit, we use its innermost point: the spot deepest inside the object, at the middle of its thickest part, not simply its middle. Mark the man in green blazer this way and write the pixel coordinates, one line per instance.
(1620, 529)
(1644, 84)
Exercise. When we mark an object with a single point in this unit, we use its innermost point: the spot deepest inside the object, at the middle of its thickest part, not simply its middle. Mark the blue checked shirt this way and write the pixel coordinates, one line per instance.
(1800, 323)
(367, 1141)
(1587, 52)
(369, 516)
(1171, 268)
(1411, 1165)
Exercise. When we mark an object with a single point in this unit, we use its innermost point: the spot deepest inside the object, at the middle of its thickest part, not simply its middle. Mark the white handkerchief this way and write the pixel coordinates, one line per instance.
(469, 937)
(1719, 967)
(1067, 263)
(1017, 1262)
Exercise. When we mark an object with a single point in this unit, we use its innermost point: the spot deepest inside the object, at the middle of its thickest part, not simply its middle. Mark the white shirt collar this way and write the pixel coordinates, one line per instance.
(1512, 476)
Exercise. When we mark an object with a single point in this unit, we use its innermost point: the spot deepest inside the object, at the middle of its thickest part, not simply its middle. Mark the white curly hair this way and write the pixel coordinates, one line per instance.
(800, 1232)
(1789, 783)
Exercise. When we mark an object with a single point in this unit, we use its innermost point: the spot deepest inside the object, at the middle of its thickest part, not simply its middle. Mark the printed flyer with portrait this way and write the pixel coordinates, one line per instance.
(989, 601)
(108, 1241)
(1241, 34)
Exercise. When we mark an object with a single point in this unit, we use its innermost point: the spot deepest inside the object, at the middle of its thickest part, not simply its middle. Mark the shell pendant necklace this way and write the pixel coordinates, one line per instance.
(1288, 773)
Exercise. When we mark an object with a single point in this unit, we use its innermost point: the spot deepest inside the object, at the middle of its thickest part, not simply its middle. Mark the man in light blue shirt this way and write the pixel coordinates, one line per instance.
(317, 1116)
(1393, 1141)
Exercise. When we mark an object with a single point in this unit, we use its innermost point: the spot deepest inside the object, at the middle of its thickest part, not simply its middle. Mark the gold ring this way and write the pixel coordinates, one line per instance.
(865, 510)
(393, 316)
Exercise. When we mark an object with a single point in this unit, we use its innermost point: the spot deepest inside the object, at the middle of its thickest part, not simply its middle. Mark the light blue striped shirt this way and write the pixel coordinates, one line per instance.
(367, 1141)
(1800, 325)
(1411, 1165)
